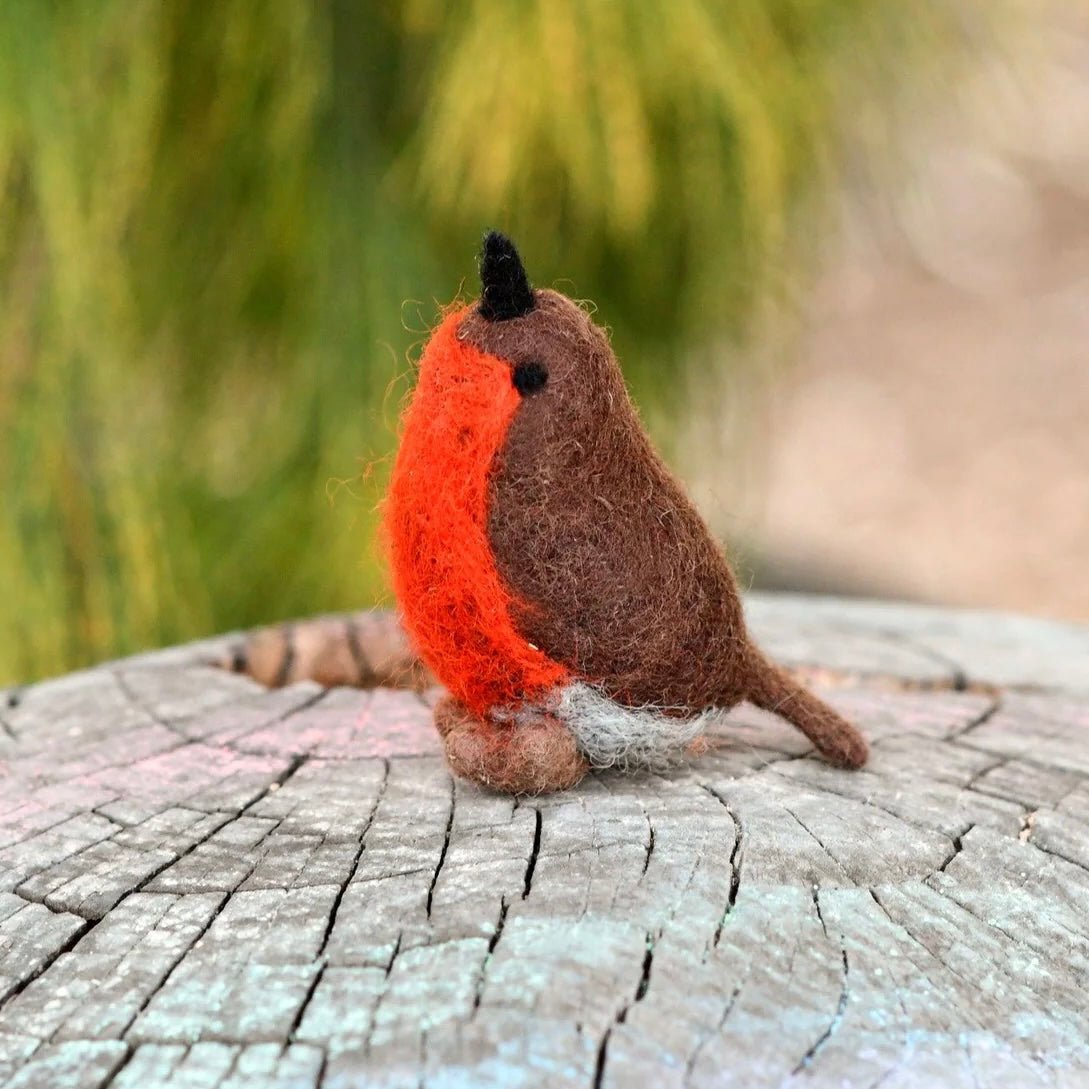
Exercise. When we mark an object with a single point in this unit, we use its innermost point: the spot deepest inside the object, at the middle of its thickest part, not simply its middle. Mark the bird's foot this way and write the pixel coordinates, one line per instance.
(534, 755)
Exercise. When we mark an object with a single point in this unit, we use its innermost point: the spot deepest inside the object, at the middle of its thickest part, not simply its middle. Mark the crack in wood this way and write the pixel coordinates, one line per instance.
(622, 1015)
(232, 1066)
(837, 1018)
(445, 846)
(534, 853)
(16, 989)
(841, 1006)
(123, 1060)
(236, 744)
(602, 1058)
(138, 887)
(493, 941)
(899, 993)
(981, 719)
(816, 839)
(63, 818)
(869, 802)
(382, 996)
(644, 979)
(334, 909)
(736, 858)
(958, 677)
(161, 985)
(175, 724)
(92, 923)
(971, 984)
(958, 846)
(971, 783)
(379, 877)
(1036, 762)
(396, 951)
(42, 901)
(955, 680)
(708, 1035)
(1049, 849)
(294, 764)
(650, 844)
(816, 894)
(293, 1032)
(884, 1077)
(125, 689)
(253, 856)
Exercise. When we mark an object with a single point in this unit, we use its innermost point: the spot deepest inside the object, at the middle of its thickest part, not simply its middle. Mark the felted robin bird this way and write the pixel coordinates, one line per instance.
(550, 570)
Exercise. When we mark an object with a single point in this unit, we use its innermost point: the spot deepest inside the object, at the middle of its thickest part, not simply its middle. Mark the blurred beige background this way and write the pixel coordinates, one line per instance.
(929, 437)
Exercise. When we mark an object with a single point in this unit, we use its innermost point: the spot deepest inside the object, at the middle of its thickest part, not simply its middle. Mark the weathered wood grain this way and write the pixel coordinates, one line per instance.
(205, 883)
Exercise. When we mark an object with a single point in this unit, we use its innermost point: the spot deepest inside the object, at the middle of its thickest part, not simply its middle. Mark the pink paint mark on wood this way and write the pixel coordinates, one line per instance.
(349, 724)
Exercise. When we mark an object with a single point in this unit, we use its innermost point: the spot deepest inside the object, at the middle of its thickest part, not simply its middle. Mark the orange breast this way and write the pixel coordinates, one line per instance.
(456, 607)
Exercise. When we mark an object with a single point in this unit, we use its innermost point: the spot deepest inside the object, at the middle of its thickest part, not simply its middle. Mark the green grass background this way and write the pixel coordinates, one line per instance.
(225, 229)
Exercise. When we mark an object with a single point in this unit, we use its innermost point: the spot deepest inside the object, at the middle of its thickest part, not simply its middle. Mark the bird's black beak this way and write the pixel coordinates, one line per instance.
(504, 288)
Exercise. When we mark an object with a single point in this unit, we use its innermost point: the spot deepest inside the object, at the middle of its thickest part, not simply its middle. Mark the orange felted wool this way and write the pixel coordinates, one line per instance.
(456, 608)
(551, 571)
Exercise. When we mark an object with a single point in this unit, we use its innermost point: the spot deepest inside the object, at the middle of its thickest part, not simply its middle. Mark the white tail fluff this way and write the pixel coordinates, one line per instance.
(611, 735)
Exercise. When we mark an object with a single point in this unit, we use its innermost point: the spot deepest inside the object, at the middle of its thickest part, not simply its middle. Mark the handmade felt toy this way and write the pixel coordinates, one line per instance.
(550, 570)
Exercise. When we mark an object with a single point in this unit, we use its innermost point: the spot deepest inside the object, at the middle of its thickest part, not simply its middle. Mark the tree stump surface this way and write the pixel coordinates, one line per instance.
(204, 883)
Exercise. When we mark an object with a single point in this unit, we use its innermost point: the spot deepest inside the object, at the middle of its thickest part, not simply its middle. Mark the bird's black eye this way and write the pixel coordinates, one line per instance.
(530, 376)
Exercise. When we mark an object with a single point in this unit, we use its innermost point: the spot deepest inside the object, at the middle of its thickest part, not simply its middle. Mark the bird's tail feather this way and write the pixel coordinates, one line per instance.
(775, 690)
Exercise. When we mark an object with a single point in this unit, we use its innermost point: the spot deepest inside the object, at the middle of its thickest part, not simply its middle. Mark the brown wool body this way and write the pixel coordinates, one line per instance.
(612, 572)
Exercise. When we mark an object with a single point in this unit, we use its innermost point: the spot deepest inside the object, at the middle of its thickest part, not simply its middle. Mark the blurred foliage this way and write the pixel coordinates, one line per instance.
(213, 215)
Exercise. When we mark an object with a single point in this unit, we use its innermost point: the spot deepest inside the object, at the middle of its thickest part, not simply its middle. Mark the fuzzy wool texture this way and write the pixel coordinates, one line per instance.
(775, 690)
(535, 748)
(551, 571)
(618, 576)
(506, 292)
(614, 574)
(629, 738)
(536, 754)
(456, 607)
